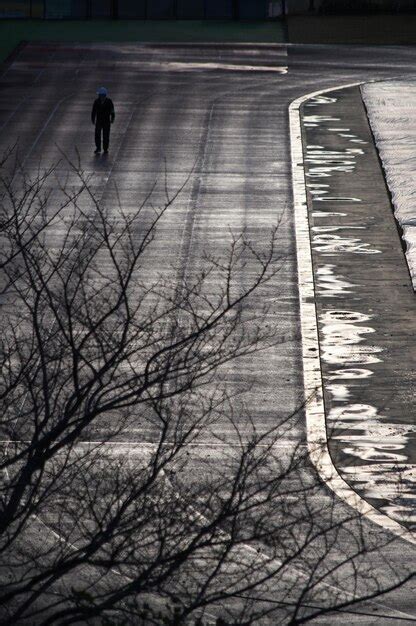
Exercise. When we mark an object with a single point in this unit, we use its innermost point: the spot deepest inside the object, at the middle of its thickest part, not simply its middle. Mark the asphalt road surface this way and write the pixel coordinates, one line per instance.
(218, 114)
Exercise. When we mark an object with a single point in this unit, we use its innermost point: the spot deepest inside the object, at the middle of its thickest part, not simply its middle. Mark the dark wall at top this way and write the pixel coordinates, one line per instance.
(253, 10)
(194, 9)
(350, 6)
(160, 9)
(139, 9)
(101, 8)
(190, 9)
(135, 9)
(219, 9)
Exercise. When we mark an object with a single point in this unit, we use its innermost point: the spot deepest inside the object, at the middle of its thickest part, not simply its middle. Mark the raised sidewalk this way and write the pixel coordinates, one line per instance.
(366, 309)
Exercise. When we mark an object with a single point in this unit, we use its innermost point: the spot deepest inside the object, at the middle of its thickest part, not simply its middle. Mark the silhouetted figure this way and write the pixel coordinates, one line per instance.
(102, 115)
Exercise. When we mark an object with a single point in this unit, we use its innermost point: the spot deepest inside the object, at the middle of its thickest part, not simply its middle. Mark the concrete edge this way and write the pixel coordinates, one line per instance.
(312, 374)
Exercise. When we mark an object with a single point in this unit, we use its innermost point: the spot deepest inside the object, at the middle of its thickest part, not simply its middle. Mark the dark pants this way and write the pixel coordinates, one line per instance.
(105, 128)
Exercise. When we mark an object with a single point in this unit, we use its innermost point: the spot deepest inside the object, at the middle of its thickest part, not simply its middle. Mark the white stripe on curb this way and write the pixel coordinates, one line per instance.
(315, 410)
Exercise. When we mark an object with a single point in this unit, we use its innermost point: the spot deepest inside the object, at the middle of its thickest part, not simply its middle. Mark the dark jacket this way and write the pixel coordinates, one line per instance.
(102, 111)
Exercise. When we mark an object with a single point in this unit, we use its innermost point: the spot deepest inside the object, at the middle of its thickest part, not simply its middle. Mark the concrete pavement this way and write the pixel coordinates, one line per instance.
(225, 109)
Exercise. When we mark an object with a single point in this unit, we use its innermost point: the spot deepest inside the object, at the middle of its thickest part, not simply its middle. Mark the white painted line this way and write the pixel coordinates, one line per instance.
(312, 374)
(206, 65)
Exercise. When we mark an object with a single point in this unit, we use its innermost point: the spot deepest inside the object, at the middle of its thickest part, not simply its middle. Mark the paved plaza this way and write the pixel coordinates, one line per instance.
(215, 118)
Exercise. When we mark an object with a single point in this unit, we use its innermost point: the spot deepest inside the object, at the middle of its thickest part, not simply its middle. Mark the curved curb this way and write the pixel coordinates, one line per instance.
(312, 374)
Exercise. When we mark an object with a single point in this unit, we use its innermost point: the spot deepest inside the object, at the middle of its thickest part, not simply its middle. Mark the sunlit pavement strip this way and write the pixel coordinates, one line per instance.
(312, 350)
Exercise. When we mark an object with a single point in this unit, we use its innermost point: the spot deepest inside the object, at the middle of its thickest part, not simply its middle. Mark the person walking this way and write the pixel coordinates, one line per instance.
(102, 115)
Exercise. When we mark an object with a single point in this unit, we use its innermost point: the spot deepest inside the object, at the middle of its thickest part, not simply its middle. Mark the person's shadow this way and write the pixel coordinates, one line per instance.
(100, 159)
